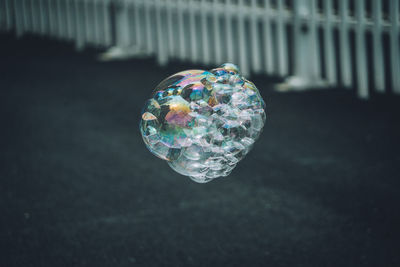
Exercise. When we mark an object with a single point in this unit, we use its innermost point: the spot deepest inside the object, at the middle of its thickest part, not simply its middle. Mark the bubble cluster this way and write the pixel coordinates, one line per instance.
(203, 122)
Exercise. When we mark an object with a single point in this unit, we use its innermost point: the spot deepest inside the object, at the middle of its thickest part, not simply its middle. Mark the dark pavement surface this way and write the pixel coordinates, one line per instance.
(79, 188)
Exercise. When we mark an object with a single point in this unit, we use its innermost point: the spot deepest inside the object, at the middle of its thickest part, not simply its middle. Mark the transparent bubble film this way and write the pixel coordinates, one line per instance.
(203, 122)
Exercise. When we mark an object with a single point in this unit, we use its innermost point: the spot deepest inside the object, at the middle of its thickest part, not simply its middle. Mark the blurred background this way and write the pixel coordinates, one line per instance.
(79, 188)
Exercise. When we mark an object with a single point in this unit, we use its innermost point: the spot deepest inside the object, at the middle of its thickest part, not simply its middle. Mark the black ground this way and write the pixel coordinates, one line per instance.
(79, 188)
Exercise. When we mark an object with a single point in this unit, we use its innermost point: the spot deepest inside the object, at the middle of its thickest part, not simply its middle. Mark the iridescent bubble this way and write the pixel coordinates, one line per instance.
(203, 122)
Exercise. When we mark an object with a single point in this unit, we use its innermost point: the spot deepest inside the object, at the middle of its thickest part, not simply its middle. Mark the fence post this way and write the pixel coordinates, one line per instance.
(269, 61)
(217, 33)
(281, 41)
(97, 20)
(329, 51)
(345, 62)
(9, 15)
(43, 17)
(255, 40)
(228, 30)
(171, 41)
(204, 33)
(361, 62)
(121, 23)
(394, 45)
(243, 58)
(19, 24)
(161, 41)
(182, 52)
(379, 67)
(70, 21)
(149, 29)
(107, 22)
(306, 50)
(304, 45)
(80, 29)
(193, 31)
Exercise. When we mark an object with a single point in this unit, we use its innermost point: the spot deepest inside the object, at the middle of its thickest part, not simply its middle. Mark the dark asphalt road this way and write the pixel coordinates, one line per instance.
(79, 188)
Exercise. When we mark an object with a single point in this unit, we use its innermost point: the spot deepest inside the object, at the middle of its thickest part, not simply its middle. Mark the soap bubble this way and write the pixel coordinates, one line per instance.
(203, 122)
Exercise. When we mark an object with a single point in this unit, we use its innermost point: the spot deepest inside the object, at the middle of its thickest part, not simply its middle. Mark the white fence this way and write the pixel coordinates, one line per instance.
(346, 43)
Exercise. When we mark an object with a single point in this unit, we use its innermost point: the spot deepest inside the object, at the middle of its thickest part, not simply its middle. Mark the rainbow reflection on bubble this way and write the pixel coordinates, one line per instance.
(203, 122)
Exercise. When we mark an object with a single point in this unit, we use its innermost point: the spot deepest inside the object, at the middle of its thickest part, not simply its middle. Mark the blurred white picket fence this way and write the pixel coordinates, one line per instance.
(349, 43)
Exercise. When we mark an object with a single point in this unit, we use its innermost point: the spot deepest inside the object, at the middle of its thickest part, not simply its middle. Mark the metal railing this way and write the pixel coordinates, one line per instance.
(326, 43)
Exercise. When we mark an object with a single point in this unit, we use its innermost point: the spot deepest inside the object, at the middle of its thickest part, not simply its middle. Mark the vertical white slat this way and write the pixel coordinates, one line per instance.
(149, 28)
(9, 14)
(206, 58)
(97, 20)
(344, 43)
(26, 16)
(19, 20)
(2, 15)
(105, 8)
(51, 7)
(379, 66)
(269, 62)
(182, 52)
(56, 15)
(217, 34)
(44, 17)
(54, 11)
(394, 46)
(193, 33)
(4, 9)
(170, 29)
(66, 18)
(61, 25)
(131, 18)
(281, 41)
(228, 31)
(80, 25)
(297, 44)
(255, 38)
(361, 63)
(87, 19)
(138, 24)
(330, 59)
(314, 46)
(39, 15)
(160, 29)
(44, 14)
(243, 62)
(92, 19)
(70, 19)
(35, 16)
(122, 24)
(306, 43)
(94, 22)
